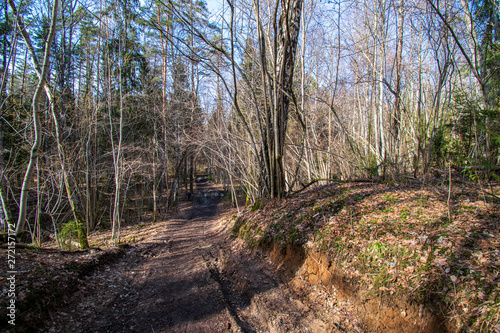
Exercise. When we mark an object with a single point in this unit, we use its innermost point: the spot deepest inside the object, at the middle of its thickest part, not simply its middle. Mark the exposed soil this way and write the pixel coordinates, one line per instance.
(412, 257)
(187, 276)
(161, 285)
(191, 274)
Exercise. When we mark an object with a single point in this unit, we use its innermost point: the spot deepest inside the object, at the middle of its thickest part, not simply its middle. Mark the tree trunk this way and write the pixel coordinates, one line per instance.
(396, 121)
(191, 174)
(35, 106)
(173, 189)
(277, 94)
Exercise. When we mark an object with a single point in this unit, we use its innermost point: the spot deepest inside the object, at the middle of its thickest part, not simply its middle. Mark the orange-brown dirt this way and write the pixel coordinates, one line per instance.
(376, 314)
(410, 256)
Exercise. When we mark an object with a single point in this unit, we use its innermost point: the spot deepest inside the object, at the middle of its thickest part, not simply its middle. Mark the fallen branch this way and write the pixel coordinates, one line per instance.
(45, 249)
(307, 185)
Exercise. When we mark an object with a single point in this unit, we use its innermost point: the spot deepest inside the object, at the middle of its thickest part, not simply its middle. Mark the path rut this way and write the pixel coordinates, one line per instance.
(186, 280)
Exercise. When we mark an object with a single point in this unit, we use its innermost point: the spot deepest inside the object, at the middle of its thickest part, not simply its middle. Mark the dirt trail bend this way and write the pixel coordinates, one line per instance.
(173, 283)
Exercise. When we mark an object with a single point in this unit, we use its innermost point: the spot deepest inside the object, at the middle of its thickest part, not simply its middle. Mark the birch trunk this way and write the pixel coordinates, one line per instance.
(35, 106)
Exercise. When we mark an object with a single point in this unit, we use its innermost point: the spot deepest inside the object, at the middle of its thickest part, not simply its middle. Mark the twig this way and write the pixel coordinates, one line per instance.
(44, 249)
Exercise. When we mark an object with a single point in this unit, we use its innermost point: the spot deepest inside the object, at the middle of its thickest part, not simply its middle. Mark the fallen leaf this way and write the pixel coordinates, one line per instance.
(441, 261)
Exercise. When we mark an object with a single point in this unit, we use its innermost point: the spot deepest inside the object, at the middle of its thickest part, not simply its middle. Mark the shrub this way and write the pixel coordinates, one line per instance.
(73, 231)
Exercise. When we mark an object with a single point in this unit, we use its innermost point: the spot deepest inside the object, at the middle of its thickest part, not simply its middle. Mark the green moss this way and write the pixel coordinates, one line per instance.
(317, 209)
(238, 223)
(245, 231)
(257, 205)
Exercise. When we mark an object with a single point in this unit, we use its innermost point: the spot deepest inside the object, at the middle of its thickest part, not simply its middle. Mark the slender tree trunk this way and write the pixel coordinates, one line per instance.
(62, 160)
(164, 58)
(118, 162)
(35, 106)
(177, 171)
(4, 213)
(155, 176)
(302, 94)
(396, 121)
(381, 120)
(191, 174)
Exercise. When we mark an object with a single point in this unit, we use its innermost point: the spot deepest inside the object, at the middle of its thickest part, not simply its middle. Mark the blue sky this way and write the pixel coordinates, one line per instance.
(214, 5)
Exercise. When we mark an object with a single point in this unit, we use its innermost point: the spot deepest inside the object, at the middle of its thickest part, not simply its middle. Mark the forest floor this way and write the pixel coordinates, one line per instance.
(184, 274)
(419, 255)
(344, 257)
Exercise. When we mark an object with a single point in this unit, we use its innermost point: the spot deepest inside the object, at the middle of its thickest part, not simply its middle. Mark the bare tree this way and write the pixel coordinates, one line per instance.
(43, 70)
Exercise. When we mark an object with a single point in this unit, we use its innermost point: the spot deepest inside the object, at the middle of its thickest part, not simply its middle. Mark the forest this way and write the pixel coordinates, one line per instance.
(109, 107)
(250, 166)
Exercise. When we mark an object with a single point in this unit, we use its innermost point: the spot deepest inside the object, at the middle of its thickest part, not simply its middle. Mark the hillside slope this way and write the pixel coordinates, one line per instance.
(425, 256)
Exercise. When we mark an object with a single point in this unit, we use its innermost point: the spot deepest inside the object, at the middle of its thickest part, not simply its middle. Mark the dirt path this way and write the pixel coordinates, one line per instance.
(188, 279)
(162, 285)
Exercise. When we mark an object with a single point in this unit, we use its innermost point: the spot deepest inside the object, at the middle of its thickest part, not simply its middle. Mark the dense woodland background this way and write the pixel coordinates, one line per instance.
(109, 107)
